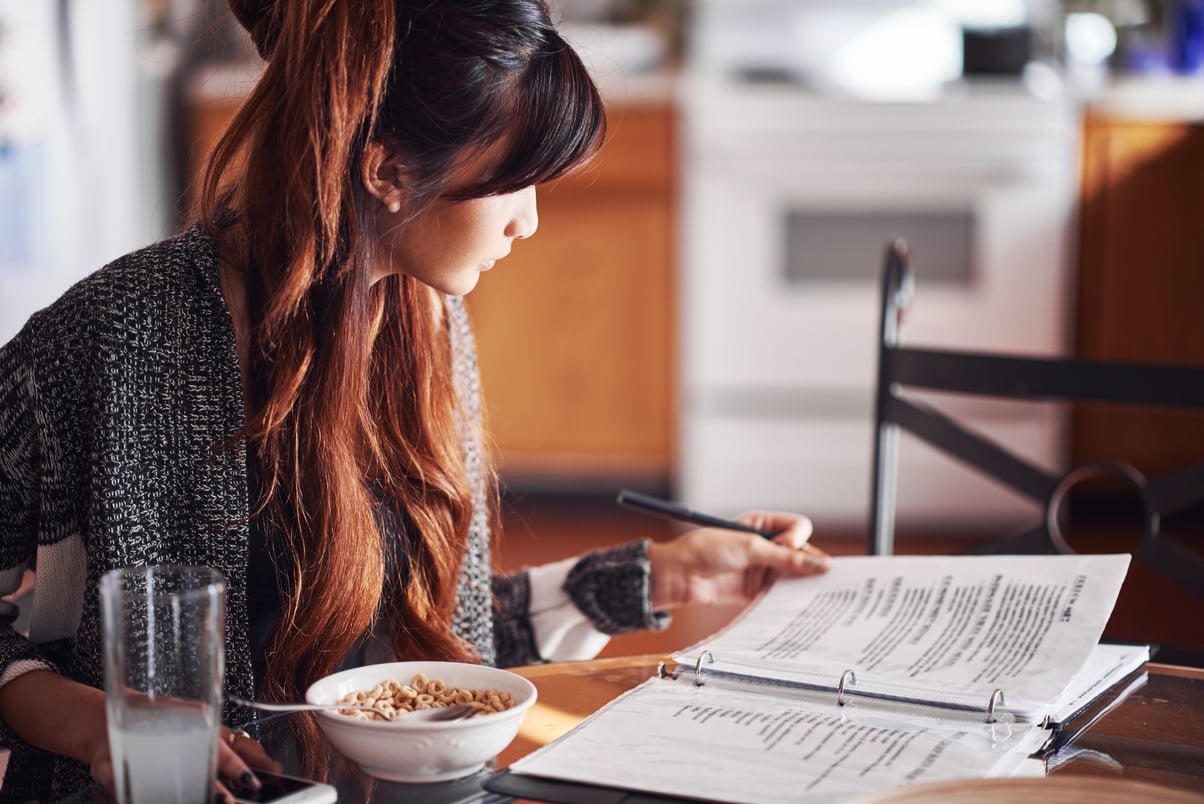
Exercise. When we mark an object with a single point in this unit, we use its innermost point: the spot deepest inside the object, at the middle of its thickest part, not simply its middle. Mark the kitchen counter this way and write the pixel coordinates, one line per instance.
(1156, 99)
(230, 82)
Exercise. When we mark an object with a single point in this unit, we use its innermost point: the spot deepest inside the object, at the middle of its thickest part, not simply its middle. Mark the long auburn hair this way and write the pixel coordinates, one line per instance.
(352, 398)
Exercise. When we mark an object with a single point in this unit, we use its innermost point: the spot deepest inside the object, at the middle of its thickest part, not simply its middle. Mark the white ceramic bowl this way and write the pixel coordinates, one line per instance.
(421, 752)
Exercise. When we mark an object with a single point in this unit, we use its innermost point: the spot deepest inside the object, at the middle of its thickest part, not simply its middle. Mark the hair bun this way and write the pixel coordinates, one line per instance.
(261, 19)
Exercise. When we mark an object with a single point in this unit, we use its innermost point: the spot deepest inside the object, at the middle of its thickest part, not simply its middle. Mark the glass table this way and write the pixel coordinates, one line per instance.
(1153, 735)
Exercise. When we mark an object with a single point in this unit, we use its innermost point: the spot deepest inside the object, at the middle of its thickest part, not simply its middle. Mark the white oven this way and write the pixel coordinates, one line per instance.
(788, 201)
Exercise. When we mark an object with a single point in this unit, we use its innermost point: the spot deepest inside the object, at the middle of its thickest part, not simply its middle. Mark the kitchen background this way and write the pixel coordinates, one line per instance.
(696, 317)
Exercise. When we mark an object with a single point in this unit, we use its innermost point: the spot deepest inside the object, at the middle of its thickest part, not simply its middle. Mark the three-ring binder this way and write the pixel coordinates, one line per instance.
(848, 679)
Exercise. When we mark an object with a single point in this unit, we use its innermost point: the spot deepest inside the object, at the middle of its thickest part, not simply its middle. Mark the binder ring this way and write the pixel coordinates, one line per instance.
(996, 697)
(706, 654)
(851, 677)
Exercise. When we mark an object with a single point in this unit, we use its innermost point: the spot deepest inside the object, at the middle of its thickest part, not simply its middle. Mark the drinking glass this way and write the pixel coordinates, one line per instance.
(163, 662)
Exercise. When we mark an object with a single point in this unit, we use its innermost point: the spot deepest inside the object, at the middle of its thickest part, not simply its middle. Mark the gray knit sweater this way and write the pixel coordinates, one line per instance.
(120, 407)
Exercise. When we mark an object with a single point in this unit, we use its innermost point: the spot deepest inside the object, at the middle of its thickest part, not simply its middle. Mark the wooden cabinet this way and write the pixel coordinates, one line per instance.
(213, 95)
(1141, 279)
(576, 329)
(209, 121)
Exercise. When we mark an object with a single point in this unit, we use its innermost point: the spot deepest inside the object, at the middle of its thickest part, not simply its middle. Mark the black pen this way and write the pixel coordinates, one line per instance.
(665, 508)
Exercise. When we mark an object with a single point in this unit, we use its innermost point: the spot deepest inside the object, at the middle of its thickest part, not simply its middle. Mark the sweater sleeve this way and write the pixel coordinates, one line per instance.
(20, 467)
(608, 588)
(611, 588)
(513, 637)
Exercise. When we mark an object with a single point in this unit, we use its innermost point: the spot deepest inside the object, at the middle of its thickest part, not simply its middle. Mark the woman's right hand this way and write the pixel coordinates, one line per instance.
(237, 755)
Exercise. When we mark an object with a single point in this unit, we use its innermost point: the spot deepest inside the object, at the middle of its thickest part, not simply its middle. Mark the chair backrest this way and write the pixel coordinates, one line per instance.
(1019, 377)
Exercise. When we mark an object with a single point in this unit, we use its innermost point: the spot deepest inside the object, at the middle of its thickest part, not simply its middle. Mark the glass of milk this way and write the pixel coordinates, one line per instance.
(164, 628)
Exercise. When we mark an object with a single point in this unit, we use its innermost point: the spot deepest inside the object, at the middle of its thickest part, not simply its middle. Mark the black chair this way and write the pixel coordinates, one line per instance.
(1033, 379)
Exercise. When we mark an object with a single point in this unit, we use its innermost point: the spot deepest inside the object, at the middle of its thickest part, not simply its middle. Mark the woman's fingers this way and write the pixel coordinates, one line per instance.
(237, 754)
(787, 559)
(809, 549)
(711, 565)
(223, 794)
(793, 530)
(255, 755)
(794, 533)
(233, 771)
(102, 772)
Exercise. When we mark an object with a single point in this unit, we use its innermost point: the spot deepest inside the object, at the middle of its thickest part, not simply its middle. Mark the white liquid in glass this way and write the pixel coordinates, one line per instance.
(164, 755)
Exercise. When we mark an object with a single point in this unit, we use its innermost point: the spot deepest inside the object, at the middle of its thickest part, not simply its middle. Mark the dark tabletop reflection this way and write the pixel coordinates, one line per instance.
(278, 736)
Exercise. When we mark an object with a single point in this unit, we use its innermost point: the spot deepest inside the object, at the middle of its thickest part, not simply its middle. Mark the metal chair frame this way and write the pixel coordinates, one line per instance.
(1020, 377)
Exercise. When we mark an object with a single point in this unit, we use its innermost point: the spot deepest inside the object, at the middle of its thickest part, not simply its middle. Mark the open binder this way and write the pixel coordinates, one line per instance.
(885, 671)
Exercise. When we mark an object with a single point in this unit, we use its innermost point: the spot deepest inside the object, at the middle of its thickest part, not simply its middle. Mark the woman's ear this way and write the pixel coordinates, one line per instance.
(382, 176)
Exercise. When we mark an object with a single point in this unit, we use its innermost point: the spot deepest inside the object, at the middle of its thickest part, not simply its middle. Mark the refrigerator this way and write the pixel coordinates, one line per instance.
(84, 176)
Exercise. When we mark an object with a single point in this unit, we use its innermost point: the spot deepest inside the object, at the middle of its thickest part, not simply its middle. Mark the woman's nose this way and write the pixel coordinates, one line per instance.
(525, 220)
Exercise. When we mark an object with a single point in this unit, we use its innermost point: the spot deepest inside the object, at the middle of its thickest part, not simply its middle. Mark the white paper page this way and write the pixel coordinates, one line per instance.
(673, 738)
(950, 629)
(1107, 665)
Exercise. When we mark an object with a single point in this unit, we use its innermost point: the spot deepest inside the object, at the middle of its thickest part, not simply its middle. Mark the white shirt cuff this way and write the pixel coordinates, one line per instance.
(20, 668)
(562, 631)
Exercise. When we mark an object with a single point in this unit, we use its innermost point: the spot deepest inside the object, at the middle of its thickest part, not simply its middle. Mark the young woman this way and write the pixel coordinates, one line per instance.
(286, 391)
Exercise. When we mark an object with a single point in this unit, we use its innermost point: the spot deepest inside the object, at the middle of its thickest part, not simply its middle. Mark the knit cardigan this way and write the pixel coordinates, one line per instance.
(120, 413)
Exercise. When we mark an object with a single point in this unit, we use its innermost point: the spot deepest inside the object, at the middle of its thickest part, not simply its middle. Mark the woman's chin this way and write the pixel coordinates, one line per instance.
(453, 286)
(464, 286)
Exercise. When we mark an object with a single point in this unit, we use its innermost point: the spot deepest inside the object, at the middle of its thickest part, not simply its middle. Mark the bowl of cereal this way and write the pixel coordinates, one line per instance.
(419, 750)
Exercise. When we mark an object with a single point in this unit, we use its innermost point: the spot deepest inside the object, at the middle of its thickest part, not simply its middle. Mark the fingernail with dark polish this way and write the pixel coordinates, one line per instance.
(247, 779)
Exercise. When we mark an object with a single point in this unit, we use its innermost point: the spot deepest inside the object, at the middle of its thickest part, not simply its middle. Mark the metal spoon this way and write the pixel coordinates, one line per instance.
(438, 713)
